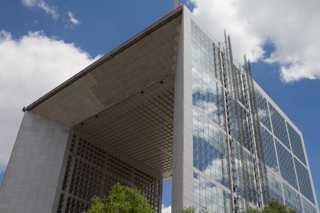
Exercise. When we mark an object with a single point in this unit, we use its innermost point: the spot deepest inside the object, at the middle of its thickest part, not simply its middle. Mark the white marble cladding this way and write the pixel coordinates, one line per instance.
(182, 178)
(32, 179)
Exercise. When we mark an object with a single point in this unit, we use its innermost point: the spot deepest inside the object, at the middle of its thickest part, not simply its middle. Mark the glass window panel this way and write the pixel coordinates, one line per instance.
(279, 126)
(304, 181)
(308, 207)
(207, 96)
(292, 198)
(214, 207)
(202, 201)
(263, 111)
(196, 206)
(275, 186)
(208, 204)
(286, 165)
(211, 196)
(196, 197)
(296, 144)
(202, 191)
(269, 150)
(209, 153)
(196, 187)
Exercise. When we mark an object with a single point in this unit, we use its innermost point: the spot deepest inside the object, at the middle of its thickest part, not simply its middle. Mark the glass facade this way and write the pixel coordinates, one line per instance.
(210, 147)
(286, 165)
(296, 144)
(275, 186)
(208, 195)
(304, 181)
(263, 111)
(224, 158)
(292, 198)
(210, 150)
(269, 150)
(205, 52)
(307, 207)
(279, 126)
(207, 95)
(245, 174)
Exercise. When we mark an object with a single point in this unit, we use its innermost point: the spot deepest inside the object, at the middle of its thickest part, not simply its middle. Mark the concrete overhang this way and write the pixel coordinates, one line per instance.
(123, 102)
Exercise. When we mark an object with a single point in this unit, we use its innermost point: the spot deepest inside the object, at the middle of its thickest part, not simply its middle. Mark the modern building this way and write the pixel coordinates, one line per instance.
(170, 103)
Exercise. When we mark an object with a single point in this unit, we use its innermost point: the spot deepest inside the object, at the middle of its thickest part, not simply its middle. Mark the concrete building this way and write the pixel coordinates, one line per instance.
(170, 103)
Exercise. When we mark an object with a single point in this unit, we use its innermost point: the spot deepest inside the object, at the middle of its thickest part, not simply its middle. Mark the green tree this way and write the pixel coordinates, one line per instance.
(274, 206)
(192, 210)
(122, 199)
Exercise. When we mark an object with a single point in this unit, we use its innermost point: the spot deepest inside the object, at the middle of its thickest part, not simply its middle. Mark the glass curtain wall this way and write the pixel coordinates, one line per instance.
(210, 147)
(287, 171)
(288, 174)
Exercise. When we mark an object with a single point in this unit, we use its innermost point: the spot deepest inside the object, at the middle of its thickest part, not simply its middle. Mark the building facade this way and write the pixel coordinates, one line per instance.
(170, 103)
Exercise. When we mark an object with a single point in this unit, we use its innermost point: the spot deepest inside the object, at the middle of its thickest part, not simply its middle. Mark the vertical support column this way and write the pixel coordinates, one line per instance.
(182, 177)
(260, 162)
(32, 181)
(69, 159)
(104, 174)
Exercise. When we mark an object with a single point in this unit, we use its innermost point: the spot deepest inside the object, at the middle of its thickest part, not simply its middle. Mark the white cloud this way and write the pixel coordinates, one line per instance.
(262, 113)
(29, 3)
(291, 26)
(30, 67)
(73, 19)
(166, 209)
(41, 4)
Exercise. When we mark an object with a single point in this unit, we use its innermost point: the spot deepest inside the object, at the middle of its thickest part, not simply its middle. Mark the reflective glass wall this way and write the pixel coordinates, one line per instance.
(289, 179)
(224, 171)
(210, 147)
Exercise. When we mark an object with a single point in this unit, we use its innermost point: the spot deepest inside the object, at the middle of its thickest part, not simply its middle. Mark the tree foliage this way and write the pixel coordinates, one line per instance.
(192, 210)
(274, 206)
(122, 199)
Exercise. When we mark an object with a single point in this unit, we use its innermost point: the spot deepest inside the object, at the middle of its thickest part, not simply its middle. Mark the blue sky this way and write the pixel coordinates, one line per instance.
(44, 42)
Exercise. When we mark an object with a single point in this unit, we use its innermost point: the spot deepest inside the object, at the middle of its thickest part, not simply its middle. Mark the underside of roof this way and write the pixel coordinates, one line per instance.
(124, 101)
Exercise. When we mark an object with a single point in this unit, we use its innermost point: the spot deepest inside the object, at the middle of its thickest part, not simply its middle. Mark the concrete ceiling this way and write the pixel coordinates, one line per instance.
(124, 101)
(139, 128)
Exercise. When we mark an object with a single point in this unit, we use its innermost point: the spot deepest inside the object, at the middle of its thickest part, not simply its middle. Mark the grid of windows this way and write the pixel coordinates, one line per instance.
(242, 84)
(269, 150)
(279, 126)
(117, 171)
(237, 168)
(286, 165)
(210, 150)
(149, 187)
(208, 195)
(210, 144)
(296, 144)
(307, 207)
(245, 130)
(86, 180)
(91, 171)
(249, 169)
(232, 119)
(304, 181)
(292, 198)
(91, 153)
(207, 95)
(244, 174)
(75, 205)
(275, 186)
(204, 51)
(263, 111)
